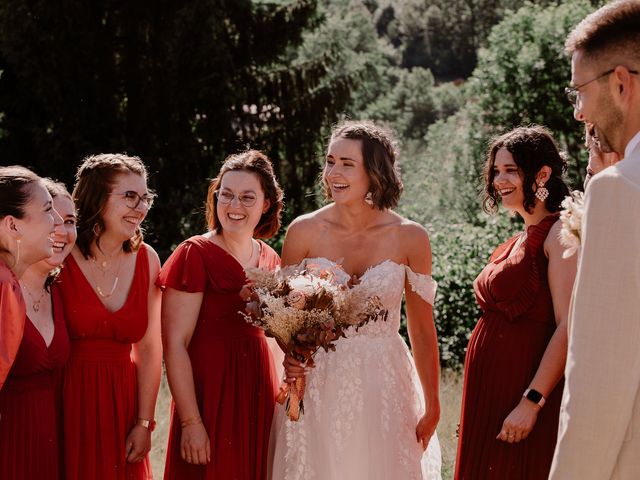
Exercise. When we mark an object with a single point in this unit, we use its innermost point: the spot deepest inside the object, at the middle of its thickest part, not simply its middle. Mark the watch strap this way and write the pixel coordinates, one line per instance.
(534, 396)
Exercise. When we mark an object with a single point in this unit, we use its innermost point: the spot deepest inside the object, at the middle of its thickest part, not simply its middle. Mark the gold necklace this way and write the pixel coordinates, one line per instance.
(93, 263)
(248, 261)
(36, 303)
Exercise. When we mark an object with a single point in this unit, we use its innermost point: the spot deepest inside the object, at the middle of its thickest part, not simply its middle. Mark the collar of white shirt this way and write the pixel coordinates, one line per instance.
(632, 145)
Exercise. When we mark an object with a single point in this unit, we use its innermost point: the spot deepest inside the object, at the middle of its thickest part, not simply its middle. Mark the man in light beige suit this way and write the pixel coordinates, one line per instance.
(599, 434)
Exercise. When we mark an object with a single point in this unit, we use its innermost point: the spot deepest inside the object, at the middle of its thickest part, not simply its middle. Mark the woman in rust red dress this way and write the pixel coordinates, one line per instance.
(29, 405)
(112, 309)
(516, 354)
(27, 221)
(220, 368)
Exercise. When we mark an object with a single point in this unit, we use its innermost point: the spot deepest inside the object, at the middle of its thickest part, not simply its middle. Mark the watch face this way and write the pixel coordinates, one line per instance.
(534, 396)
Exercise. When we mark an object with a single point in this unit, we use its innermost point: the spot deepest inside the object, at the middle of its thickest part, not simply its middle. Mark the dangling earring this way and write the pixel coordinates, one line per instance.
(18, 254)
(368, 199)
(541, 192)
(96, 229)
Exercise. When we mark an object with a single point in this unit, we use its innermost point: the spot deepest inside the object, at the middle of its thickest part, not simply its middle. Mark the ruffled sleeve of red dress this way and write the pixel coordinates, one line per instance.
(185, 269)
(12, 318)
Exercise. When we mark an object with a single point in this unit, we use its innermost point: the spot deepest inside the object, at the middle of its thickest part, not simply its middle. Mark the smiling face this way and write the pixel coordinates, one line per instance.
(595, 104)
(37, 226)
(65, 234)
(344, 172)
(507, 181)
(240, 188)
(119, 219)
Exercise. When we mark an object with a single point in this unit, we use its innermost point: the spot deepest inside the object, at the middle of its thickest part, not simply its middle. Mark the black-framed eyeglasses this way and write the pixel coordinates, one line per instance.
(246, 199)
(132, 199)
(572, 93)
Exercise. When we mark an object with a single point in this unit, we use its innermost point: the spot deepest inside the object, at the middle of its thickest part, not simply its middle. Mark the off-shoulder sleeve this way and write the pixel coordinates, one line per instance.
(12, 318)
(423, 285)
(184, 270)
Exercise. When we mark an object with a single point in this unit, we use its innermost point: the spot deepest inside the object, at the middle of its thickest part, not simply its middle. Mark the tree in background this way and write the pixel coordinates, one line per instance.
(520, 78)
(182, 84)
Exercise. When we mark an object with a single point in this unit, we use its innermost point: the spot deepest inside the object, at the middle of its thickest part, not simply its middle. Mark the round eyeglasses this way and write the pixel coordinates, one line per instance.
(132, 199)
(246, 199)
(573, 93)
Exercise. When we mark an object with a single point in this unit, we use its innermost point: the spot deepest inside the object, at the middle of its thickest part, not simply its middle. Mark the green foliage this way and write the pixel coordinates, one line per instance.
(460, 252)
(441, 35)
(443, 178)
(182, 85)
(414, 102)
(520, 78)
(522, 73)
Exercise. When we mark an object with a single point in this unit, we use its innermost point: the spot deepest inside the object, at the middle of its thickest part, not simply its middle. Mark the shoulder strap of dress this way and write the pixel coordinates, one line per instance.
(423, 285)
(537, 234)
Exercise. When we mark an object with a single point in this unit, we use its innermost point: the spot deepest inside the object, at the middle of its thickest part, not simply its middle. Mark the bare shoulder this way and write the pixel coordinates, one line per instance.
(302, 233)
(552, 244)
(415, 242)
(152, 256)
(307, 225)
(413, 233)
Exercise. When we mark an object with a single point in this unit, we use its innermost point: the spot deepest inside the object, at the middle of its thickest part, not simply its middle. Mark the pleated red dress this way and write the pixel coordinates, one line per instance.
(503, 355)
(30, 429)
(99, 389)
(233, 371)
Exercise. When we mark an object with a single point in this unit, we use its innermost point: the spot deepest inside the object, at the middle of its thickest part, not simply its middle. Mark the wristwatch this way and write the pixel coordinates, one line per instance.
(534, 396)
(148, 424)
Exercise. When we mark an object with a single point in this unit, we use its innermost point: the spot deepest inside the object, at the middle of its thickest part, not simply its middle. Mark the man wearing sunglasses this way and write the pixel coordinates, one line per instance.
(599, 433)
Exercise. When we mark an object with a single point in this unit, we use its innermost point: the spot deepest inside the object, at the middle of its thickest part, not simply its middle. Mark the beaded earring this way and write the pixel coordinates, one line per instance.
(541, 192)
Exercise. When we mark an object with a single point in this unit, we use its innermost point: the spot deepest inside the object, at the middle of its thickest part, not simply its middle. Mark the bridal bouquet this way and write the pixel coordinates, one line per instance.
(305, 308)
(571, 218)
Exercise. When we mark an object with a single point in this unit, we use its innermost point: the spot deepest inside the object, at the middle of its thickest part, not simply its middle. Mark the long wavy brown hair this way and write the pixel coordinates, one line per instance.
(94, 182)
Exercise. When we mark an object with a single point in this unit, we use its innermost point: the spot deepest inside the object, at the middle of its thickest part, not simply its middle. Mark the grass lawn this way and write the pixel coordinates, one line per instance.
(450, 393)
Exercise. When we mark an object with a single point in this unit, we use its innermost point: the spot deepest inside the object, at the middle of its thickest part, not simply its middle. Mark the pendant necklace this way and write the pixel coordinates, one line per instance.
(36, 303)
(248, 261)
(104, 272)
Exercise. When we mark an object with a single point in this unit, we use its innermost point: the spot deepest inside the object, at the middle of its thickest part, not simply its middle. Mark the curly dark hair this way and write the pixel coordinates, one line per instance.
(532, 147)
(380, 153)
(258, 163)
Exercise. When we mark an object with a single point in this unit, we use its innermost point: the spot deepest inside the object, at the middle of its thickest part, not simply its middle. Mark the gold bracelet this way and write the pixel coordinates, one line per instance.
(190, 421)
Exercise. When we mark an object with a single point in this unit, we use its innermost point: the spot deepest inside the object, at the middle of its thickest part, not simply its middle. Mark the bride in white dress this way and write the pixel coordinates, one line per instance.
(371, 409)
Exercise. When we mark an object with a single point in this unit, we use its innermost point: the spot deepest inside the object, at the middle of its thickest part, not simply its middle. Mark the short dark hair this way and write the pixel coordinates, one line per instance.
(611, 33)
(532, 147)
(94, 181)
(380, 153)
(16, 189)
(258, 163)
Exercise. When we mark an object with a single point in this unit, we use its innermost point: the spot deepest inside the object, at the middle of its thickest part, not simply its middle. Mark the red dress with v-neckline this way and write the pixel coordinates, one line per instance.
(99, 390)
(30, 420)
(233, 371)
(503, 355)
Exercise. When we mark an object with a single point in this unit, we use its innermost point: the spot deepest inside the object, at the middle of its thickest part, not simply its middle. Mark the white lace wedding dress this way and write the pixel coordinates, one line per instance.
(363, 401)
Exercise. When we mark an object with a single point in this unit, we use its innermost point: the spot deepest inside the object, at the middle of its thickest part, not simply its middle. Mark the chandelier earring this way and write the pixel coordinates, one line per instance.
(541, 192)
(368, 199)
